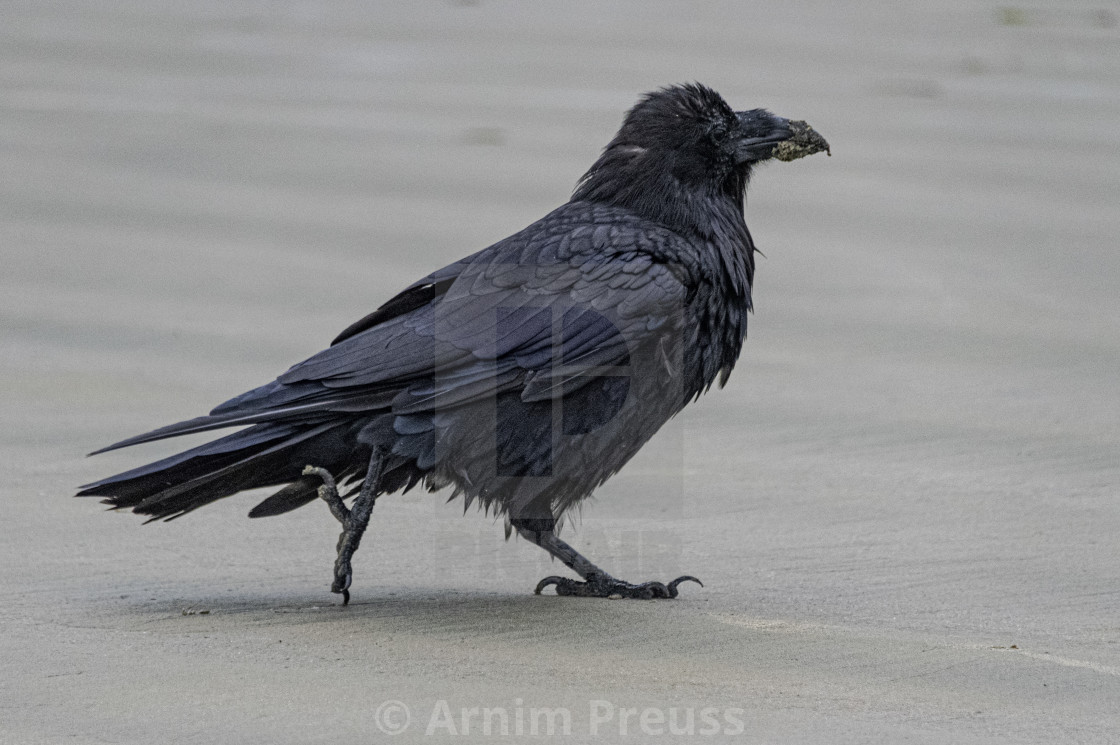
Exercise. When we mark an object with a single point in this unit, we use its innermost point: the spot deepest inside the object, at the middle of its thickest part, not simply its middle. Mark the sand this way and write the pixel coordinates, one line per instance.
(904, 505)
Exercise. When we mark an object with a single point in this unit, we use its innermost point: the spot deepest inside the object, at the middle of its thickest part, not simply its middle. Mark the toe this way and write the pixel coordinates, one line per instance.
(672, 589)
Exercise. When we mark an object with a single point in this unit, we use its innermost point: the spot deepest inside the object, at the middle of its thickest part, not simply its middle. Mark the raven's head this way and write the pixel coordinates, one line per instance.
(698, 134)
(684, 143)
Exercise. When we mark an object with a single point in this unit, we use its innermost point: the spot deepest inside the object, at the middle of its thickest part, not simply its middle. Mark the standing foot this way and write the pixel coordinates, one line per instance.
(605, 586)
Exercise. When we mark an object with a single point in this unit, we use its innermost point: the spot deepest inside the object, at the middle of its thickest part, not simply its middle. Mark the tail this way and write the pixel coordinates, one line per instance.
(265, 454)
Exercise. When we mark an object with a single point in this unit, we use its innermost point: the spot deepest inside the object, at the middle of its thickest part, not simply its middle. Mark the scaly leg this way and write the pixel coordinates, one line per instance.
(354, 520)
(597, 583)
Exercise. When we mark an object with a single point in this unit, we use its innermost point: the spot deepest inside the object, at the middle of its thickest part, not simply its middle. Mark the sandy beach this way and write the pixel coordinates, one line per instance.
(905, 505)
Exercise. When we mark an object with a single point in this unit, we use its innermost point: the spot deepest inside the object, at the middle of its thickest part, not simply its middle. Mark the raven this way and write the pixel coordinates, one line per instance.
(526, 374)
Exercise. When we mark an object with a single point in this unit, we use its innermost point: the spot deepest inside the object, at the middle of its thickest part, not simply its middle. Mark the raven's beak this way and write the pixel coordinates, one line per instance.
(805, 141)
(761, 132)
(768, 136)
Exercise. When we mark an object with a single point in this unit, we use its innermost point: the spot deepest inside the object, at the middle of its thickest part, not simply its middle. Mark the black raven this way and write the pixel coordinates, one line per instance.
(522, 376)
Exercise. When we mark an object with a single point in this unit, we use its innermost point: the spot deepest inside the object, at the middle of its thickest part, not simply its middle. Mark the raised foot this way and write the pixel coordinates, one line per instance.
(351, 531)
(607, 586)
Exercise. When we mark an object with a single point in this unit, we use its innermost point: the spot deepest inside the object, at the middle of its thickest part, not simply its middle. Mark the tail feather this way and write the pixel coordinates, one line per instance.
(268, 467)
(264, 455)
(208, 456)
(291, 497)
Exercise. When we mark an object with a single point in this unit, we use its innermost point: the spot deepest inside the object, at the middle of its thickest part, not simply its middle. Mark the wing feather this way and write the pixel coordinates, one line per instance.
(577, 290)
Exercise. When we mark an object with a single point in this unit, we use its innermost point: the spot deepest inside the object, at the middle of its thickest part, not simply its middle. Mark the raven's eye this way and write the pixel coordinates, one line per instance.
(721, 132)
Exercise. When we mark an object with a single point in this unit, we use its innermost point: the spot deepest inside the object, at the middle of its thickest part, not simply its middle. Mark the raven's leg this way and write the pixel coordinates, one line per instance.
(597, 583)
(354, 520)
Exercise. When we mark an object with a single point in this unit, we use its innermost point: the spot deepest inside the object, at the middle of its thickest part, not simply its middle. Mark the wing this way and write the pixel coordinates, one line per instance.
(576, 291)
(539, 311)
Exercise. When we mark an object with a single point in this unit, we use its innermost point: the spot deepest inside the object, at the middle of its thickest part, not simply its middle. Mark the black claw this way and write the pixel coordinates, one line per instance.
(553, 580)
(346, 597)
(605, 587)
(342, 578)
(678, 580)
